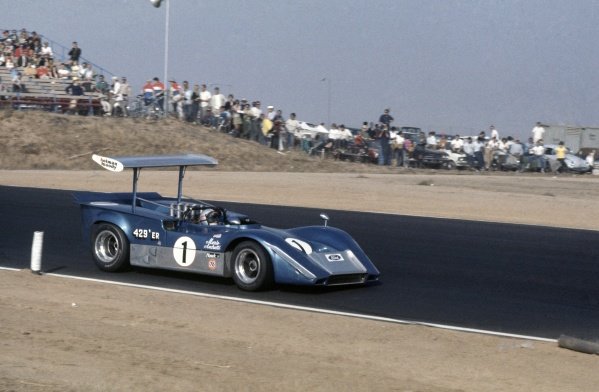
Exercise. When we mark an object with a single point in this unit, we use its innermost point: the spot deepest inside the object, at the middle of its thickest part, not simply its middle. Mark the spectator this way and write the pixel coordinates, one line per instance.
(478, 146)
(538, 132)
(21, 56)
(383, 137)
(457, 143)
(236, 119)
(88, 85)
(158, 87)
(292, 126)
(30, 71)
(53, 69)
(86, 71)
(35, 41)
(590, 158)
(398, 146)
(246, 120)
(46, 50)
(176, 97)
(106, 106)
(63, 72)
(266, 127)
(256, 116)
(494, 132)
(468, 148)
(270, 112)
(217, 101)
(75, 53)
(538, 152)
(101, 86)
(74, 88)
(431, 140)
(121, 99)
(205, 96)
(491, 146)
(195, 103)
(345, 135)
(147, 92)
(187, 100)
(17, 83)
(560, 155)
(42, 72)
(386, 118)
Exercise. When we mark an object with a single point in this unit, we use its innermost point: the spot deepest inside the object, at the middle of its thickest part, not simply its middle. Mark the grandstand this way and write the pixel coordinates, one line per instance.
(49, 94)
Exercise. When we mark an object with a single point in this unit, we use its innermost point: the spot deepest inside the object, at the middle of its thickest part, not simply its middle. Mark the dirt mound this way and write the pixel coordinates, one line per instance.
(41, 140)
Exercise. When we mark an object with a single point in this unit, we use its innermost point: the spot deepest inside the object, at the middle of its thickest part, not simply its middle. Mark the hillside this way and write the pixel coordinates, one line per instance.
(40, 140)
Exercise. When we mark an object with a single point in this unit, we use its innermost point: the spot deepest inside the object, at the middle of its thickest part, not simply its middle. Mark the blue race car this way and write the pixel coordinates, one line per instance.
(149, 230)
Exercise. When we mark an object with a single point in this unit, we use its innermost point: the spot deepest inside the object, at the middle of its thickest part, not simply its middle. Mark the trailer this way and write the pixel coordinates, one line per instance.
(577, 138)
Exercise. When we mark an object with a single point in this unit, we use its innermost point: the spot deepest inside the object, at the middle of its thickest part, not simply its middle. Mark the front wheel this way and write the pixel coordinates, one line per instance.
(252, 268)
(110, 247)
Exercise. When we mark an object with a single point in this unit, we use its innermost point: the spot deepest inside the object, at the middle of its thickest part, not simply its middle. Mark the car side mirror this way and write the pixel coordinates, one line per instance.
(325, 218)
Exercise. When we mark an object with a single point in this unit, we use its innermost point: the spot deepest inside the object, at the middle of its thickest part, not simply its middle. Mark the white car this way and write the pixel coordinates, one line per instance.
(573, 162)
(457, 160)
(308, 130)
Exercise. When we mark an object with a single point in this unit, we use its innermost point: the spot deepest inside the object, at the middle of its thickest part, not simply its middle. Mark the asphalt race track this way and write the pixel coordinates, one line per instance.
(517, 279)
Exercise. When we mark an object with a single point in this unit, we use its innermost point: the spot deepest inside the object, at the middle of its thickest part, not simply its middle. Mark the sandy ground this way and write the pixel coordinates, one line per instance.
(60, 334)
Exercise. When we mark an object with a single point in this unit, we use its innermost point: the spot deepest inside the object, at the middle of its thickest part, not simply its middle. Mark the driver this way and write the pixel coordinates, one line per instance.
(209, 217)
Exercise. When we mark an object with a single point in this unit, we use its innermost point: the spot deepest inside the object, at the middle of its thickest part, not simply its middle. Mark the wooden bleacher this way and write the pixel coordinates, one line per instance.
(46, 94)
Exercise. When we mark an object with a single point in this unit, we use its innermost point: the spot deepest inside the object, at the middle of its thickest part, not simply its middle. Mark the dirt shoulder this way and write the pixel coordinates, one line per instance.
(67, 335)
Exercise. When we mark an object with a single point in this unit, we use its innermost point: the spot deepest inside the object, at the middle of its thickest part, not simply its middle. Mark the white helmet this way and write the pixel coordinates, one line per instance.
(209, 216)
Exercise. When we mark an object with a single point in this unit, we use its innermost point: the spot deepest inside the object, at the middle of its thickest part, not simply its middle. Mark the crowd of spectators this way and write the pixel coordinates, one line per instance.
(28, 56)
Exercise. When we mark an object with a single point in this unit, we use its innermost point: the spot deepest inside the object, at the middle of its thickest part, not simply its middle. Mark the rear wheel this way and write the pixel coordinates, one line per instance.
(110, 247)
(252, 267)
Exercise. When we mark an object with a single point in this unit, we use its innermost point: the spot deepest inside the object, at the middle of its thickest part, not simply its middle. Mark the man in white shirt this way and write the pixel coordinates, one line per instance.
(217, 101)
(292, 126)
(538, 152)
(538, 132)
(431, 140)
(400, 152)
(494, 132)
(457, 143)
(205, 96)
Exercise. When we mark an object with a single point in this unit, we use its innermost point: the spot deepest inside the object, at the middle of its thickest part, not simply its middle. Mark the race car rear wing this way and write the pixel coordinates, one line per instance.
(118, 164)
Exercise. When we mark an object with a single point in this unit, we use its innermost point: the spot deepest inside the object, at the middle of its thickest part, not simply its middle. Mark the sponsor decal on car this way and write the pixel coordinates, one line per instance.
(212, 244)
(146, 233)
(333, 257)
(212, 264)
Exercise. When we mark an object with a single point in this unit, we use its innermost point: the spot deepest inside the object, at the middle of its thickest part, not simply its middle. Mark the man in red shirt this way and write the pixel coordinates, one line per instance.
(158, 87)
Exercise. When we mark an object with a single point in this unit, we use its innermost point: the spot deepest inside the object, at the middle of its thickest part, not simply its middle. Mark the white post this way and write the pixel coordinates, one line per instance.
(36, 252)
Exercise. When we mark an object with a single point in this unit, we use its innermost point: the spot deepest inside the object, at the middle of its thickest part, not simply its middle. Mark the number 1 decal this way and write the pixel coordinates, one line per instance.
(184, 251)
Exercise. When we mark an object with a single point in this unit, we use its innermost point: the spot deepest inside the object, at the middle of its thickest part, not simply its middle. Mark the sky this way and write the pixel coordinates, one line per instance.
(443, 65)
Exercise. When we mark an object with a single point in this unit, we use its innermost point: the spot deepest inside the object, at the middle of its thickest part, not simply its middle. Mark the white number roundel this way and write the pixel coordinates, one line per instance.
(184, 251)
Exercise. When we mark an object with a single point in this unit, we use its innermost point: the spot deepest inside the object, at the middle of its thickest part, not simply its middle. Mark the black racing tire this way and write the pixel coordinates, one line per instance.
(252, 267)
(110, 247)
(450, 165)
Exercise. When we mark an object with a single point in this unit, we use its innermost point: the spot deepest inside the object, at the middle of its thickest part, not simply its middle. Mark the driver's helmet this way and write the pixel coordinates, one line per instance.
(209, 217)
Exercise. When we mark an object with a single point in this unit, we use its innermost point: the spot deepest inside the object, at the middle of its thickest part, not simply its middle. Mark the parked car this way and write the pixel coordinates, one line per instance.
(425, 157)
(365, 153)
(309, 130)
(457, 160)
(573, 162)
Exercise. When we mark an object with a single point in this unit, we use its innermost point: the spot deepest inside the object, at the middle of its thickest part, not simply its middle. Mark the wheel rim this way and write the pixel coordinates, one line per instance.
(107, 246)
(247, 266)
